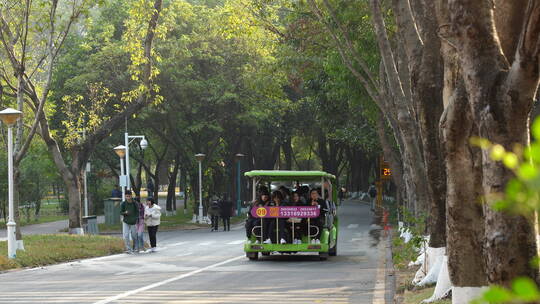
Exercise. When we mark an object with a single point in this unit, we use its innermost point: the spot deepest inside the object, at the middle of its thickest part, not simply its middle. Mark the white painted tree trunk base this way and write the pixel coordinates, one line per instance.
(78, 231)
(463, 295)
(406, 235)
(20, 245)
(444, 286)
(433, 273)
(193, 219)
(431, 256)
(419, 260)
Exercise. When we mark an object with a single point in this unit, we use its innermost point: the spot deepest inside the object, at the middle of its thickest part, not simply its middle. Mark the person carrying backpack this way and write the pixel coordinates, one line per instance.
(372, 191)
(130, 213)
(214, 213)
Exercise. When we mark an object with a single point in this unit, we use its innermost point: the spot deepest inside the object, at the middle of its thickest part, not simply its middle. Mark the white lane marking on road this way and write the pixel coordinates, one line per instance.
(206, 243)
(176, 278)
(184, 254)
(178, 244)
(380, 283)
(352, 226)
(236, 242)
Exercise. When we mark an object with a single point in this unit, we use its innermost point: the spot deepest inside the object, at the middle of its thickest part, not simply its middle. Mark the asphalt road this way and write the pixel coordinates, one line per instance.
(210, 267)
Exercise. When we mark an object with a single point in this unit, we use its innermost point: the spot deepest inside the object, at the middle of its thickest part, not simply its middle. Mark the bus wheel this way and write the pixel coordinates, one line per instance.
(333, 251)
(323, 256)
(253, 256)
(265, 253)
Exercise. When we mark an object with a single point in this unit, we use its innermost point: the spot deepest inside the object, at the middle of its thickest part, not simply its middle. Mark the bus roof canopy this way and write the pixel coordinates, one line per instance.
(283, 175)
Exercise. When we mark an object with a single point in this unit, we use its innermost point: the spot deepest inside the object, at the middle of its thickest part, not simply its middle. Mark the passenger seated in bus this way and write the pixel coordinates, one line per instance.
(271, 224)
(315, 200)
(251, 221)
(304, 194)
(286, 194)
(297, 223)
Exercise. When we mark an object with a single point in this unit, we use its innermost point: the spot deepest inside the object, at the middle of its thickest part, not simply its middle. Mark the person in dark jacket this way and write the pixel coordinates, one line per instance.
(130, 213)
(297, 223)
(150, 188)
(116, 193)
(252, 221)
(372, 191)
(225, 208)
(214, 212)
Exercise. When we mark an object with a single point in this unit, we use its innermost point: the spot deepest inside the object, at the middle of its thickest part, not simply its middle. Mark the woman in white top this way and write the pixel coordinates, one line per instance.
(152, 216)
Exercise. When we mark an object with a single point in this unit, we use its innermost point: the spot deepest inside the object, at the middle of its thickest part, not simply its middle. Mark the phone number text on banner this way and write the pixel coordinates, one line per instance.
(286, 212)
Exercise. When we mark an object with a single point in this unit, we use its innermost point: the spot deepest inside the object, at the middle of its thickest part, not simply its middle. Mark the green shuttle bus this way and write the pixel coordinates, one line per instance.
(327, 245)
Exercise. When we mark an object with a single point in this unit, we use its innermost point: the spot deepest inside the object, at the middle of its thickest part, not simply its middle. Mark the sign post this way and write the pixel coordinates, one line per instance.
(385, 174)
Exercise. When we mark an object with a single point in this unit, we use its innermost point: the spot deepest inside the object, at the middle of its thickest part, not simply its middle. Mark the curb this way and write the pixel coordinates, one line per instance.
(390, 272)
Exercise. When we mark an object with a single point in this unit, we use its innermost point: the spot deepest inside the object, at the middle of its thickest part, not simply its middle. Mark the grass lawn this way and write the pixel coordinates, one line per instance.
(51, 249)
(42, 219)
(417, 296)
(49, 211)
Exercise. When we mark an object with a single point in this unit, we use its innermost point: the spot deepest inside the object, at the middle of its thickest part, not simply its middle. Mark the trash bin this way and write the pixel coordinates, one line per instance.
(112, 211)
(90, 225)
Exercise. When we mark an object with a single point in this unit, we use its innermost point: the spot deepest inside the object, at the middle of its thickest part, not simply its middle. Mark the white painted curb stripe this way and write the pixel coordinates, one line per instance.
(177, 244)
(206, 243)
(157, 284)
(236, 242)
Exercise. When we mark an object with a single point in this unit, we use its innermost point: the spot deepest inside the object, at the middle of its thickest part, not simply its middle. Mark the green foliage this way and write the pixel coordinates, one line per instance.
(523, 290)
(405, 252)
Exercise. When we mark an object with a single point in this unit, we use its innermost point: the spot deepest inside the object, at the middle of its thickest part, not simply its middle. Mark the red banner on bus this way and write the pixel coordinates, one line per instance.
(286, 212)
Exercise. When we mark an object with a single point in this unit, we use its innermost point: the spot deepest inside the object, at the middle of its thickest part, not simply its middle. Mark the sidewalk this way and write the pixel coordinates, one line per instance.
(45, 228)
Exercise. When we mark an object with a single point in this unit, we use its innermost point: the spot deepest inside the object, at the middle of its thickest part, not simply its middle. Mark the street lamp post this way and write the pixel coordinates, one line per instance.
(85, 176)
(9, 117)
(238, 183)
(144, 145)
(86, 170)
(121, 152)
(199, 158)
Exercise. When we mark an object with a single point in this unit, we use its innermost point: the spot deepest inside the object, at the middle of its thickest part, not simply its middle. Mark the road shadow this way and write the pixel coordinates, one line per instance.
(375, 230)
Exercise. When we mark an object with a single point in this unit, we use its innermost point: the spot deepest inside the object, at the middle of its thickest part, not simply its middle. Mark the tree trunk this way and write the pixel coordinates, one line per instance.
(288, 152)
(464, 182)
(422, 46)
(171, 189)
(74, 199)
(16, 201)
(500, 95)
(405, 121)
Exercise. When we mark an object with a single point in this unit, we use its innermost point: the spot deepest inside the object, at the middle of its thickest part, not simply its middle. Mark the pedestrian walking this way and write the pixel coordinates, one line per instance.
(225, 207)
(130, 213)
(152, 218)
(214, 213)
(372, 191)
(140, 226)
(150, 188)
(341, 194)
(116, 193)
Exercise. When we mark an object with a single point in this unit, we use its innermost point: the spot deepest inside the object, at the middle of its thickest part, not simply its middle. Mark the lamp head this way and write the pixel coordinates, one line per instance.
(200, 156)
(144, 143)
(120, 151)
(10, 116)
(239, 156)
